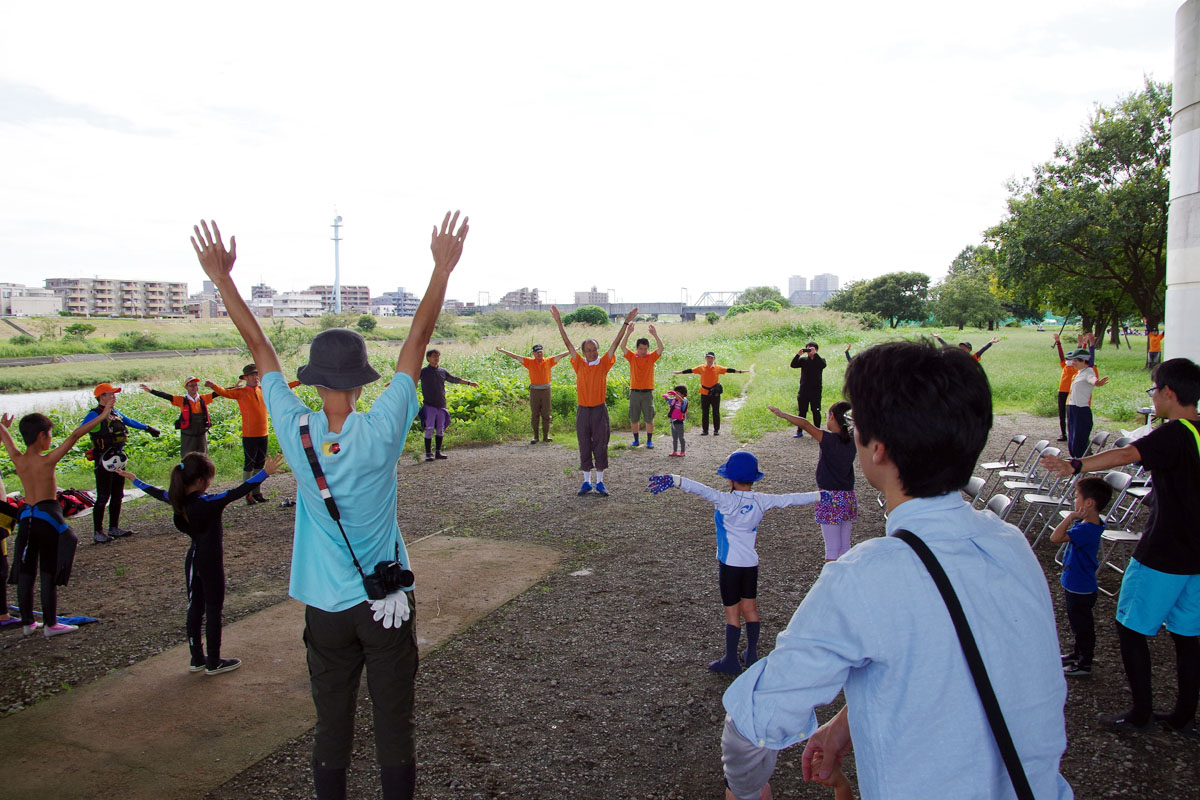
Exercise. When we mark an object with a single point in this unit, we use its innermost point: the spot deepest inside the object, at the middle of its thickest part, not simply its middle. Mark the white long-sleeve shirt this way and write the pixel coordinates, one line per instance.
(737, 515)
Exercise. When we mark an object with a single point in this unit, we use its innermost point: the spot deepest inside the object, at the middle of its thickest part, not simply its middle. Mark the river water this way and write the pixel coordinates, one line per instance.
(20, 404)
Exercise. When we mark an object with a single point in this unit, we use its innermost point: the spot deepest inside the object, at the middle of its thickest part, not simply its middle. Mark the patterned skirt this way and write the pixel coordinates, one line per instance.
(840, 507)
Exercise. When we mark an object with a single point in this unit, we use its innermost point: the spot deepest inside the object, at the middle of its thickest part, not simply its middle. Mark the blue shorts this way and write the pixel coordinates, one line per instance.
(1149, 598)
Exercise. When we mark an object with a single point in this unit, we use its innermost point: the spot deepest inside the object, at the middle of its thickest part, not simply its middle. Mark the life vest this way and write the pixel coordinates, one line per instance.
(110, 432)
(186, 421)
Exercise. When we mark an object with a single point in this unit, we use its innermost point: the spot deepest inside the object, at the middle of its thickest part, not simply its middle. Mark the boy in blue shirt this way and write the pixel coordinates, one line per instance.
(1081, 530)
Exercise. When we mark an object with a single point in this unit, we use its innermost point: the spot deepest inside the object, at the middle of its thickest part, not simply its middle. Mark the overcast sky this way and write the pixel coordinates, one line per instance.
(647, 147)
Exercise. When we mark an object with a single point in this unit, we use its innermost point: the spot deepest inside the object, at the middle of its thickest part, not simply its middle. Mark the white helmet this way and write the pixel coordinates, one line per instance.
(114, 459)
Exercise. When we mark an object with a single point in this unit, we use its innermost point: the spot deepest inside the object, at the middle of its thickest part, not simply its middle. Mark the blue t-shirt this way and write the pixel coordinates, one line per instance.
(1081, 557)
(360, 469)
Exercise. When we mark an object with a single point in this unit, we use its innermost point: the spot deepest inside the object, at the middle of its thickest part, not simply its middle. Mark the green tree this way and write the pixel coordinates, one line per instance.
(446, 326)
(897, 297)
(1089, 227)
(366, 323)
(78, 330)
(761, 294)
(589, 315)
(965, 299)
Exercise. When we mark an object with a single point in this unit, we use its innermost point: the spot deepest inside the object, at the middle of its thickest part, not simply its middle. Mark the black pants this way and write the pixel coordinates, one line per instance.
(712, 401)
(37, 551)
(254, 453)
(1062, 412)
(205, 576)
(1083, 625)
(110, 491)
(1135, 653)
(805, 403)
(339, 645)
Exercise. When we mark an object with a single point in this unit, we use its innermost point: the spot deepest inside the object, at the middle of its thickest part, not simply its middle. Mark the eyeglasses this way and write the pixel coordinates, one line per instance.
(1151, 391)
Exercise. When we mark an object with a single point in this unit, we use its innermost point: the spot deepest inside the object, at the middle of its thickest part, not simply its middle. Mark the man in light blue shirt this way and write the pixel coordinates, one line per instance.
(356, 455)
(875, 625)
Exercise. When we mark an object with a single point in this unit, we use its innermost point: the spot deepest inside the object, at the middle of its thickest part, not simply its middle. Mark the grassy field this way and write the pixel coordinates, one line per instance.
(1023, 369)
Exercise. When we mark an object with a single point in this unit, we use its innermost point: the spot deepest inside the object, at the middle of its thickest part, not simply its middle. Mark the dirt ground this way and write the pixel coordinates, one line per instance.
(592, 683)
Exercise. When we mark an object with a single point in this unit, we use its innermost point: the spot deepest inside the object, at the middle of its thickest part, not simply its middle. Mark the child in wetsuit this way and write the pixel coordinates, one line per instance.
(199, 516)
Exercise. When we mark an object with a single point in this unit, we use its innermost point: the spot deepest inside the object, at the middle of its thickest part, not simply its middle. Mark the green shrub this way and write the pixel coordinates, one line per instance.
(22, 339)
(712, 317)
(366, 323)
(871, 322)
(589, 315)
(134, 341)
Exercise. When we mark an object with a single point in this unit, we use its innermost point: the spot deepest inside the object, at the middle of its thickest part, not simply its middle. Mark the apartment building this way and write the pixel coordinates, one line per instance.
(520, 299)
(592, 298)
(115, 297)
(354, 298)
(19, 300)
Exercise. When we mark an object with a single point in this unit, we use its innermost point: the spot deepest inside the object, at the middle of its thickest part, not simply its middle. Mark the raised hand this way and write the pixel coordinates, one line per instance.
(554, 313)
(273, 464)
(6, 420)
(143, 387)
(652, 331)
(210, 384)
(631, 316)
(447, 244)
(216, 261)
(1101, 381)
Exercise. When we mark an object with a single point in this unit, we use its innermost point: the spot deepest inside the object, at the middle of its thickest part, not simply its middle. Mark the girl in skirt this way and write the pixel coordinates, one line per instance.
(838, 507)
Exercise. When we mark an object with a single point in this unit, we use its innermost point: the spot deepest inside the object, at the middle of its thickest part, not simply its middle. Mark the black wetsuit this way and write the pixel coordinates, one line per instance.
(204, 566)
(38, 531)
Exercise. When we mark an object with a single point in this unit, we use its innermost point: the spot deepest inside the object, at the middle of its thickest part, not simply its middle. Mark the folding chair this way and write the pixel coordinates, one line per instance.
(1007, 460)
(1043, 505)
(974, 488)
(1032, 482)
(1096, 443)
(1000, 505)
(1027, 470)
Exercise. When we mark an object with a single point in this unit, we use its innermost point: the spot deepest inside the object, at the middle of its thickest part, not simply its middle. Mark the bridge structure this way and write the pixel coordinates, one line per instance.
(719, 302)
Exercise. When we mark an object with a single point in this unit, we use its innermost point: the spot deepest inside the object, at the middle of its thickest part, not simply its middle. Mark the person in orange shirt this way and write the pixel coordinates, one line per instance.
(710, 390)
(193, 422)
(591, 416)
(248, 395)
(641, 383)
(1153, 347)
(539, 387)
(966, 346)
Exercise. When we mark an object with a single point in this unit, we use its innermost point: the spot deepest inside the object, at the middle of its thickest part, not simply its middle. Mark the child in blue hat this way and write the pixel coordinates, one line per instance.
(737, 514)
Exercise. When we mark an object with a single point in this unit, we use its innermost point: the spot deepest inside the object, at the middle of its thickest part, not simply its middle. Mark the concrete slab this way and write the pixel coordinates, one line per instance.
(155, 730)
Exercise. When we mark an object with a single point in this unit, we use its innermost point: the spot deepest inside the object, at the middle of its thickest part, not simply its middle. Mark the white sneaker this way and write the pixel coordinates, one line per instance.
(58, 629)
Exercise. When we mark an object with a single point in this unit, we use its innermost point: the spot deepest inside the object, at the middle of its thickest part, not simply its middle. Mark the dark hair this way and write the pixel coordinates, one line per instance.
(1094, 488)
(194, 467)
(32, 426)
(813, 345)
(642, 341)
(839, 410)
(965, 345)
(1181, 374)
(681, 390)
(429, 353)
(930, 406)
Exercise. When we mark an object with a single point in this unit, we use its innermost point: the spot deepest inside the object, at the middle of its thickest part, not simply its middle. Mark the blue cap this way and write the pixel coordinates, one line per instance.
(741, 467)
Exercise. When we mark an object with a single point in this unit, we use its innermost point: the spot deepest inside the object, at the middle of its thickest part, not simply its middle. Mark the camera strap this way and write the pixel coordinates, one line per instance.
(323, 488)
(983, 684)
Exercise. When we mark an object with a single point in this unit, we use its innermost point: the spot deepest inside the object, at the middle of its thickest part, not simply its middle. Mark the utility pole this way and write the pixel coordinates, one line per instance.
(337, 269)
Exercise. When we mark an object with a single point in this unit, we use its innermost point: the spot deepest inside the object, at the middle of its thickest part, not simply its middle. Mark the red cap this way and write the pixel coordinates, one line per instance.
(104, 387)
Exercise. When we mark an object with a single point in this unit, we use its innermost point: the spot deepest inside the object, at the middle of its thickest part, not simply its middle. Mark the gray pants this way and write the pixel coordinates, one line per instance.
(591, 430)
(678, 445)
(192, 443)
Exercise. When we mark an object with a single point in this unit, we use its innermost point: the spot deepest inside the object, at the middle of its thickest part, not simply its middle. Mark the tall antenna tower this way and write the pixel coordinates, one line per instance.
(337, 269)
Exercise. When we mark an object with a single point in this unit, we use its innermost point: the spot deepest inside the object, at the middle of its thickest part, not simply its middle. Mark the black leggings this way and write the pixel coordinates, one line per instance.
(254, 453)
(805, 403)
(712, 401)
(1135, 653)
(1062, 412)
(205, 574)
(110, 490)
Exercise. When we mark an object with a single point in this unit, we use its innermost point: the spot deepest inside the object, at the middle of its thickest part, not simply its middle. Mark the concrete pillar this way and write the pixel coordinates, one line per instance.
(1183, 216)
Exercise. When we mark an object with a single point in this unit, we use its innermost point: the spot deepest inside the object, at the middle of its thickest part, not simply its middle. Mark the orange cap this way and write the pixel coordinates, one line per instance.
(189, 379)
(104, 387)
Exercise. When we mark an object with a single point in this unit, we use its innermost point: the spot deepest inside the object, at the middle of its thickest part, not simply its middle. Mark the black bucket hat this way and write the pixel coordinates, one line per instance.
(337, 359)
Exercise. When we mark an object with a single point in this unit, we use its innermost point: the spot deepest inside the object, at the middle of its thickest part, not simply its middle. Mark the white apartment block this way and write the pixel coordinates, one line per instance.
(354, 298)
(19, 300)
(297, 304)
(592, 298)
(115, 297)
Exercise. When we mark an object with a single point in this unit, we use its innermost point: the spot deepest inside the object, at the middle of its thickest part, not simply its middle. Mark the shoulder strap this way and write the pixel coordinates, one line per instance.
(1187, 424)
(975, 661)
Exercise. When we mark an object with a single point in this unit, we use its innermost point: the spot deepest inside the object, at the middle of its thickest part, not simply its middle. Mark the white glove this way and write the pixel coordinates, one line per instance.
(393, 610)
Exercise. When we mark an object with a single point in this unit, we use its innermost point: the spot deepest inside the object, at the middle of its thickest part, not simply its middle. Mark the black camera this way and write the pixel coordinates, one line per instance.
(387, 578)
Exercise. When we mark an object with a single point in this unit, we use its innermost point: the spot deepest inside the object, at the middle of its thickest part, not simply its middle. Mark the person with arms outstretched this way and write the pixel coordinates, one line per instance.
(108, 439)
(710, 373)
(194, 420)
(41, 530)
(345, 467)
(540, 404)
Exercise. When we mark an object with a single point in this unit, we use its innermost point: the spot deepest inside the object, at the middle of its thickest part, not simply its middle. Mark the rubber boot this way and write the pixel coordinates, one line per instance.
(399, 783)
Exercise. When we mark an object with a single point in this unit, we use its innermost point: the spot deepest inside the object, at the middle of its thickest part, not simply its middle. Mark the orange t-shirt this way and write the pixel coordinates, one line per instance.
(641, 369)
(250, 403)
(709, 376)
(591, 383)
(539, 371)
(1156, 342)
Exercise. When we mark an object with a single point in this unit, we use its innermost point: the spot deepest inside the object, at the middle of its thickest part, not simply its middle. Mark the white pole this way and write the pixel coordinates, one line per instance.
(1183, 215)
(337, 270)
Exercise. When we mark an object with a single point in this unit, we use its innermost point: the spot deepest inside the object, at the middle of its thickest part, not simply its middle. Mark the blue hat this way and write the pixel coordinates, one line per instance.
(741, 467)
